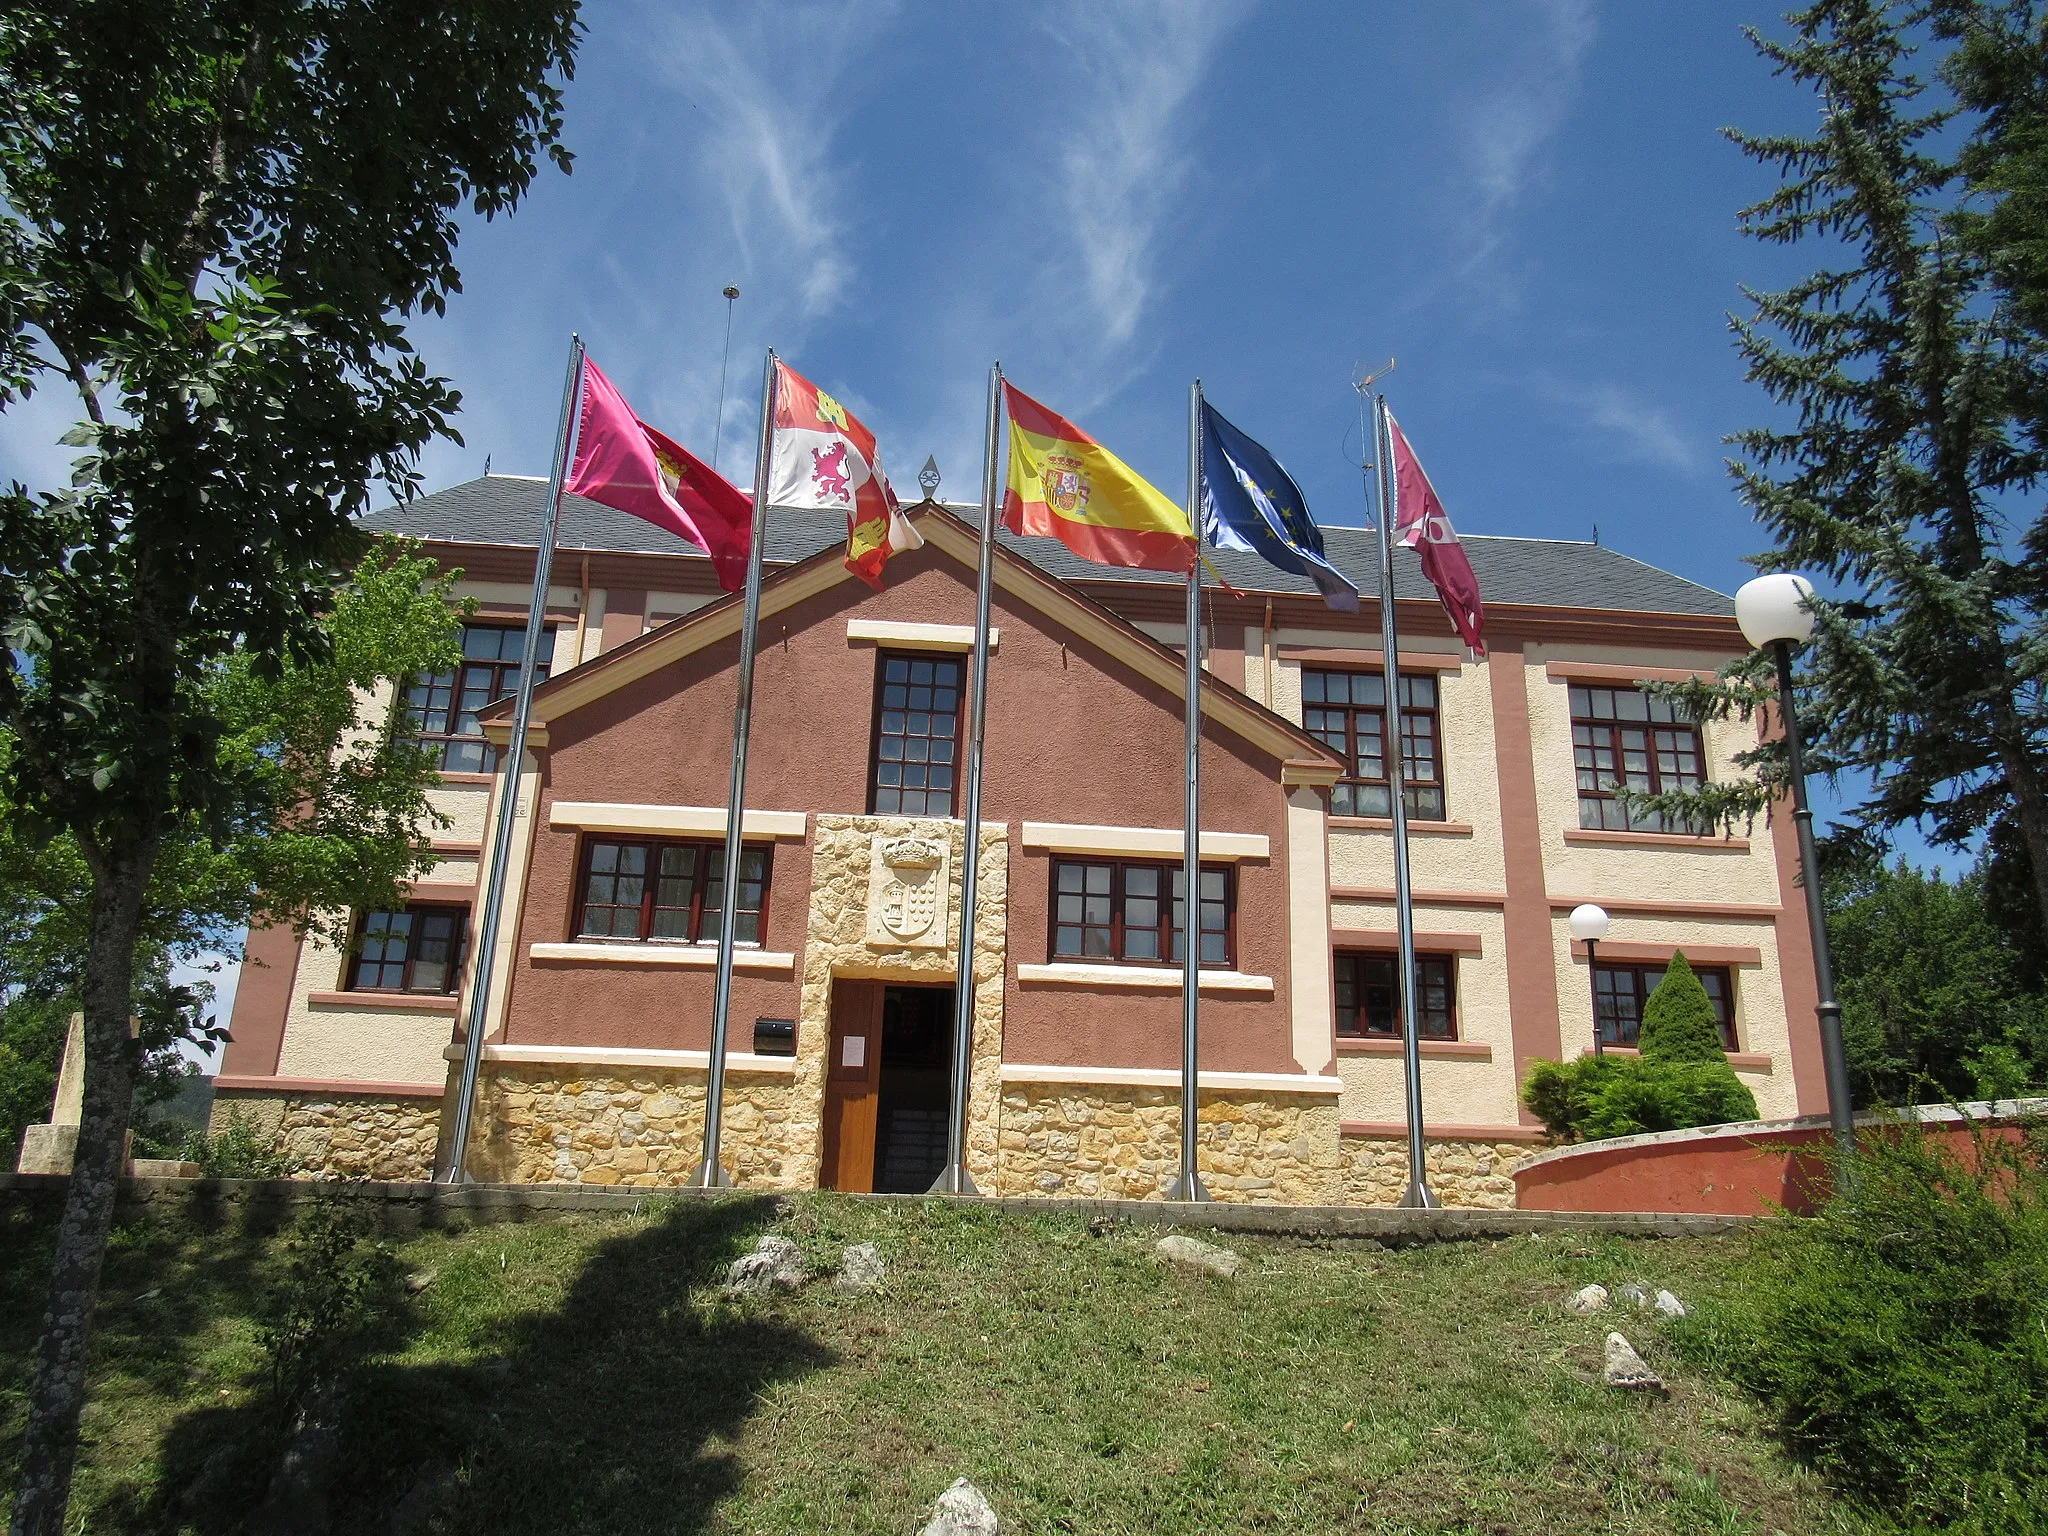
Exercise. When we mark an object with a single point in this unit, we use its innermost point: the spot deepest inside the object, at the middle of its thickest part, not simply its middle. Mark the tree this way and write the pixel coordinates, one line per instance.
(215, 221)
(338, 820)
(1678, 1019)
(1935, 1005)
(1911, 368)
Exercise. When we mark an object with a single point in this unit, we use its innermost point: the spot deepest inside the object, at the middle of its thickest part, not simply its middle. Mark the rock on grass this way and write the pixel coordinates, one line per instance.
(1193, 1253)
(962, 1511)
(776, 1264)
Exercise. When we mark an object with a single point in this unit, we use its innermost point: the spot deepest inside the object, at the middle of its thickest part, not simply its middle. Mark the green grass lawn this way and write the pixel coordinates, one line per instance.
(587, 1375)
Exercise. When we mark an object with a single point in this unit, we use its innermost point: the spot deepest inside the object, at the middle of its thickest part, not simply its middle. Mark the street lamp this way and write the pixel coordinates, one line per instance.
(1777, 612)
(1589, 924)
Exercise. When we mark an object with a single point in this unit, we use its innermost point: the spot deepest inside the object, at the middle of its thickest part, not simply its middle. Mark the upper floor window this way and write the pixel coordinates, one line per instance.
(1138, 913)
(443, 708)
(1626, 736)
(672, 891)
(1620, 991)
(418, 949)
(1347, 712)
(917, 734)
(1368, 1006)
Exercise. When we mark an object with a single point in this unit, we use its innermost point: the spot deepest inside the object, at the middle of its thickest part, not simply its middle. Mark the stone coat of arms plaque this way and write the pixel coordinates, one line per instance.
(908, 892)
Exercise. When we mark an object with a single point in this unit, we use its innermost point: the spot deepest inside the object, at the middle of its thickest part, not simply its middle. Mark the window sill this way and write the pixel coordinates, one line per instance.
(1416, 826)
(1082, 974)
(485, 779)
(1741, 1061)
(1440, 1050)
(695, 956)
(1592, 837)
(389, 1002)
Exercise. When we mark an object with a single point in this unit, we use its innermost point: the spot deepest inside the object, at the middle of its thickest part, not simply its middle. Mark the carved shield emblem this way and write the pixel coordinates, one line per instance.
(910, 900)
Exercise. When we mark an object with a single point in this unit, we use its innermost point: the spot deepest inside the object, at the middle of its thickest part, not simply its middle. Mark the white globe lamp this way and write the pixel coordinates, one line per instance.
(1589, 925)
(1774, 608)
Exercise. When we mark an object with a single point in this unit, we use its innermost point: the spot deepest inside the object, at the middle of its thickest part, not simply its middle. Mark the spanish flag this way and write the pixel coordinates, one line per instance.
(1064, 483)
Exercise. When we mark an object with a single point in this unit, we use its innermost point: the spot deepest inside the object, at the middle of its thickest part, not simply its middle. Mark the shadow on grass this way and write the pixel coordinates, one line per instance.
(601, 1414)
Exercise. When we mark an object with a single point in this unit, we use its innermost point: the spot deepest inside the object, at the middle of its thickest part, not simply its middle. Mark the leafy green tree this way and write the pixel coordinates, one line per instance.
(1934, 1003)
(338, 821)
(1910, 372)
(215, 221)
(1678, 1019)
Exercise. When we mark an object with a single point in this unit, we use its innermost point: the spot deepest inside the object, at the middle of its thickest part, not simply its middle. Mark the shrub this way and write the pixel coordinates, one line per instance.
(1901, 1334)
(1592, 1098)
(1678, 1019)
(336, 1293)
(237, 1151)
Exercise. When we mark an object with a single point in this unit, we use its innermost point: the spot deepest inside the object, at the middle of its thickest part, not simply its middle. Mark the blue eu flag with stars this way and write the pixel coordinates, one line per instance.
(1250, 503)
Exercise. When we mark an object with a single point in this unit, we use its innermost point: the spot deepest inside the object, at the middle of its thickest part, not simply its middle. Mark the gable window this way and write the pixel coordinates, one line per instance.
(417, 949)
(1103, 910)
(917, 734)
(1369, 1007)
(1347, 712)
(667, 892)
(1620, 991)
(1626, 736)
(443, 708)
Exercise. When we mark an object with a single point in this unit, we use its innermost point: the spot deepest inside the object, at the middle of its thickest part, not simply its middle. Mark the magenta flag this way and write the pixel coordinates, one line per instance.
(1421, 523)
(624, 463)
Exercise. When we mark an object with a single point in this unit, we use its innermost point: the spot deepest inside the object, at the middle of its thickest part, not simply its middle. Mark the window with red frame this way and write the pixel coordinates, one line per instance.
(1347, 712)
(667, 891)
(417, 949)
(1620, 991)
(443, 708)
(1137, 912)
(1626, 737)
(1369, 1007)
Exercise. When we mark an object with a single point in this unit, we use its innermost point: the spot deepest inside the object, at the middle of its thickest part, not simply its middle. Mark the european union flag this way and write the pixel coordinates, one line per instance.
(1250, 503)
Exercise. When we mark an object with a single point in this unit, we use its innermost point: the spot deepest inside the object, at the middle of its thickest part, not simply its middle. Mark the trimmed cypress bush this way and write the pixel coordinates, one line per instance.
(1678, 1020)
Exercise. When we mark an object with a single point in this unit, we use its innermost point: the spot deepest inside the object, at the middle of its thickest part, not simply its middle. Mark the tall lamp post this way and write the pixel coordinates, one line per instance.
(1589, 925)
(1776, 613)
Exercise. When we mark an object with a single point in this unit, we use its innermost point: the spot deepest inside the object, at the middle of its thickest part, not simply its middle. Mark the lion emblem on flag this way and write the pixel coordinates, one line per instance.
(1066, 483)
(828, 473)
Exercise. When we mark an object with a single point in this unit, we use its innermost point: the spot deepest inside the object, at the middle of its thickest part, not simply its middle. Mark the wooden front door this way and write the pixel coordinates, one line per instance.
(853, 1076)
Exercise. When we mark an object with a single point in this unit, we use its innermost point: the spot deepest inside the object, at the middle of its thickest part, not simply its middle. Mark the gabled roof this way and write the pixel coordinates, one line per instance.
(1546, 573)
(1305, 759)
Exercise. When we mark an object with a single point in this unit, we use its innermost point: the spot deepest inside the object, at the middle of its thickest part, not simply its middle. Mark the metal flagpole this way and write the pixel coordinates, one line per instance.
(954, 1179)
(515, 757)
(1417, 1195)
(1189, 1185)
(710, 1173)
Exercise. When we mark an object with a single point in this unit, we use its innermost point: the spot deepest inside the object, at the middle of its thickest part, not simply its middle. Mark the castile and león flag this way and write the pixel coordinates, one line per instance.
(1061, 483)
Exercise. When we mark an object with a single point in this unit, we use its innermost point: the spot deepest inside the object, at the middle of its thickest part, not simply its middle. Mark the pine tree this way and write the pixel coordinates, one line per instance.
(1678, 1019)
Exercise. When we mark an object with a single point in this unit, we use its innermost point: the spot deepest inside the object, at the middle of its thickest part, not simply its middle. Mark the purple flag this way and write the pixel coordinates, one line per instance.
(1421, 523)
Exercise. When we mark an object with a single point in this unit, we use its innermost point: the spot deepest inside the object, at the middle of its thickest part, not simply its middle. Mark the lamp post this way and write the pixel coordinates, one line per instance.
(1776, 612)
(1590, 924)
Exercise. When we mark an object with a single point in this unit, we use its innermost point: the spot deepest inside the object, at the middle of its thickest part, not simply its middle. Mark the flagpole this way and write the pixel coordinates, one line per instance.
(1189, 1185)
(1417, 1195)
(955, 1179)
(710, 1173)
(508, 793)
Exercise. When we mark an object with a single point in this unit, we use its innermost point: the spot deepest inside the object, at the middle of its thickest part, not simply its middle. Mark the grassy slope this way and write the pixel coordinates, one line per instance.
(588, 1377)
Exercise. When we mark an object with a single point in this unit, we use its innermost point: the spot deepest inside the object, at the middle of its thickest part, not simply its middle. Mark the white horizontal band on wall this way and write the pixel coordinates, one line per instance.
(621, 1056)
(1063, 837)
(1166, 1077)
(917, 637)
(602, 816)
(1081, 974)
(698, 956)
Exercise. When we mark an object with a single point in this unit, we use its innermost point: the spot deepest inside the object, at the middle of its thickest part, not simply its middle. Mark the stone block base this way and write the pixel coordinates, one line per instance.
(339, 1135)
(47, 1149)
(565, 1125)
(1475, 1174)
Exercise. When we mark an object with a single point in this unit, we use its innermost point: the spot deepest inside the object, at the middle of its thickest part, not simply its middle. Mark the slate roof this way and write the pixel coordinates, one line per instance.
(1554, 573)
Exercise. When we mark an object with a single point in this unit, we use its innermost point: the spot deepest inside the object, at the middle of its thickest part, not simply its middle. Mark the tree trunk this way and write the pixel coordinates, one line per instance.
(57, 1396)
(2030, 799)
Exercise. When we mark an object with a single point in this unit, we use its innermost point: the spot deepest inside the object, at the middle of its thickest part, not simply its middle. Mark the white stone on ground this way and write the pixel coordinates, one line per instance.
(1636, 1293)
(776, 1264)
(860, 1268)
(1626, 1369)
(961, 1511)
(1670, 1305)
(1193, 1253)
(1586, 1302)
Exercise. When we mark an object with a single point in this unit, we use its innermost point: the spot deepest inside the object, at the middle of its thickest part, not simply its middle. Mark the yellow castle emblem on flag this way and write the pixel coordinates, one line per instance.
(831, 410)
(1065, 479)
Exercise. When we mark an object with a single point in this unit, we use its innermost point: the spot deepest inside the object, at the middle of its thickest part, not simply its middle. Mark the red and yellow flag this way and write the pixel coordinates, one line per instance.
(825, 458)
(1065, 484)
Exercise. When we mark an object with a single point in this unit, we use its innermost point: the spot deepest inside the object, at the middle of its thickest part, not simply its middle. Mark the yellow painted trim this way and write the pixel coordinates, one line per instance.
(1065, 837)
(696, 956)
(1082, 974)
(607, 816)
(1163, 1077)
(917, 637)
(616, 1056)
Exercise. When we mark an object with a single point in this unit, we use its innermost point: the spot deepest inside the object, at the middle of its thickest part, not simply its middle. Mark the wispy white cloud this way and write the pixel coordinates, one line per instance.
(1629, 427)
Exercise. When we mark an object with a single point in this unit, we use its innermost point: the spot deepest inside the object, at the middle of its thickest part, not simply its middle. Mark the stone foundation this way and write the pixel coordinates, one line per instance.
(1461, 1173)
(1124, 1143)
(340, 1136)
(569, 1125)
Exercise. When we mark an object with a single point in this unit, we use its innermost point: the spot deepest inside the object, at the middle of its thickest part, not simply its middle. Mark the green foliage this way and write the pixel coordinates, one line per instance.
(1678, 1019)
(1935, 1004)
(1901, 1335)
(1592, 1098)
(337, 1291)
(237, 1151)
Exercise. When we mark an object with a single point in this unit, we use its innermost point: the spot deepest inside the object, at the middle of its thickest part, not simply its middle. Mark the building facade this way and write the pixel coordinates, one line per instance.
(598, 1028)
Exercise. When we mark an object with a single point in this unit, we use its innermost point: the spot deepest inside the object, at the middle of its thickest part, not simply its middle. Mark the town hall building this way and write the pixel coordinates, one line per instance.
(599, 1015)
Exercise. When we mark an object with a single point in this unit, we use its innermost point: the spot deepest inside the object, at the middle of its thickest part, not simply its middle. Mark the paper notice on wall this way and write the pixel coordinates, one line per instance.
(853, 1051)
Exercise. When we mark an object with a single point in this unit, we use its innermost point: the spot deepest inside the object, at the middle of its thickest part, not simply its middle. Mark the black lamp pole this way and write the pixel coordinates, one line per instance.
(1593, 981)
